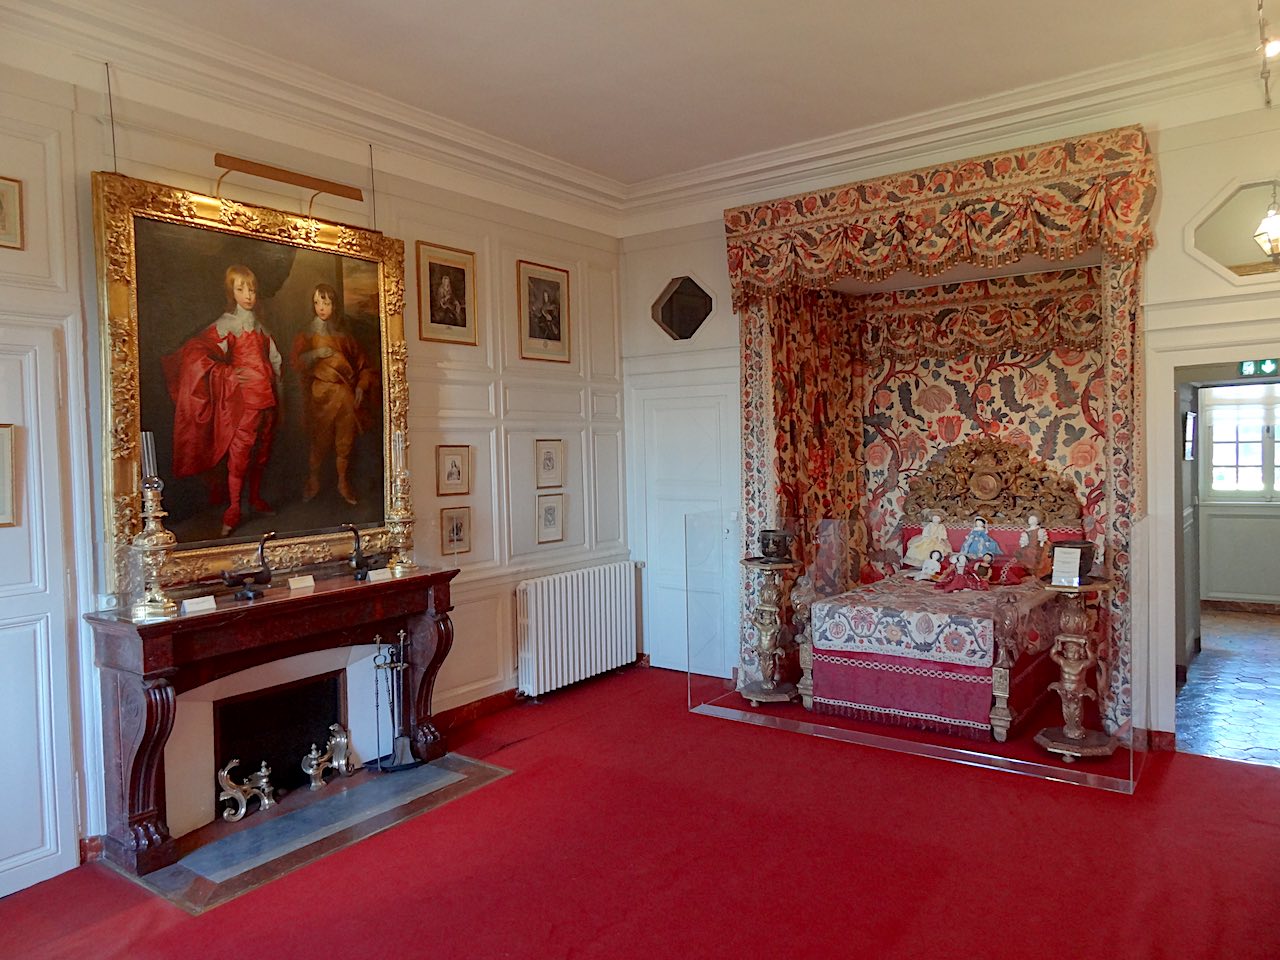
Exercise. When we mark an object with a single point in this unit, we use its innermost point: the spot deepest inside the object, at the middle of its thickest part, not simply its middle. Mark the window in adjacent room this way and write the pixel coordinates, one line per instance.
(1243, 461)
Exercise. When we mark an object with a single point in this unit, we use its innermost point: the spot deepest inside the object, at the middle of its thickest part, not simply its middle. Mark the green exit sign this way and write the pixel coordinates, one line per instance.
(1259, 368)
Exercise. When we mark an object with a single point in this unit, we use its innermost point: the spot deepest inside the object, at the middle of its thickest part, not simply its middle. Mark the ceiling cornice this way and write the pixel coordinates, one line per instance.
(144, 45)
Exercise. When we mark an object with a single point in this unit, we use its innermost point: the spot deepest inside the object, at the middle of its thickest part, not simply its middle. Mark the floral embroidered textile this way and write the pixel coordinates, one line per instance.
(1056, 199)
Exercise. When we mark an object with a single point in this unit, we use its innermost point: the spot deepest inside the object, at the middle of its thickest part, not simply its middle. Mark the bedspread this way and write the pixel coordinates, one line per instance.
(903, 617)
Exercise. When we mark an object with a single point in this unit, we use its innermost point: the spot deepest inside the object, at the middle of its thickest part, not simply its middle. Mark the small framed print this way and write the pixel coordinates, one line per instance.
(548, 458)
(8, 478)
(11, 214)
(455, 530)
(550, 517)
(453, 471)
(543, 294)
(446, 295)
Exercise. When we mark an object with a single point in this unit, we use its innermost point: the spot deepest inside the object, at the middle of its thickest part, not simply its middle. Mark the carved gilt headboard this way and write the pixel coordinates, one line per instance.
(995, 479)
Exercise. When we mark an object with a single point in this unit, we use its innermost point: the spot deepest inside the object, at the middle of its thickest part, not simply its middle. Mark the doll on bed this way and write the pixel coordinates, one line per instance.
(969, 576)
(930, 539)
(978, 542)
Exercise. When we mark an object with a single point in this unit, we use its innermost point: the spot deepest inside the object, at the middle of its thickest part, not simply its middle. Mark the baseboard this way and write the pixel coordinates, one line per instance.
(446, 720)
(1241, 606)
(90, 849)
(1180, 673)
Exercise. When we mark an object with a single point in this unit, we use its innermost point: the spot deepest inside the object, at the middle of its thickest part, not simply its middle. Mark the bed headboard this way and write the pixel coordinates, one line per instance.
(987, 477)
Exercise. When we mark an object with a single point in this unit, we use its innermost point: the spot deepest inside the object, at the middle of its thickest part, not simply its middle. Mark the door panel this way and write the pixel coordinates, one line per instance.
(37, 806)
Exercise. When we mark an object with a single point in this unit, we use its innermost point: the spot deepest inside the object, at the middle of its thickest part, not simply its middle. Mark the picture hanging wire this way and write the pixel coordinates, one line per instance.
(111, 110)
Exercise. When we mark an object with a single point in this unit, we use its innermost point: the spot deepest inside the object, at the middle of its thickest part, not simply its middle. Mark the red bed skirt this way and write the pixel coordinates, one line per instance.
(922, 694)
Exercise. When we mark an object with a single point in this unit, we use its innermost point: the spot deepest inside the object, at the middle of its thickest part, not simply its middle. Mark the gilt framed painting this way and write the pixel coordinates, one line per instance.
(545, 321)
(265, 352)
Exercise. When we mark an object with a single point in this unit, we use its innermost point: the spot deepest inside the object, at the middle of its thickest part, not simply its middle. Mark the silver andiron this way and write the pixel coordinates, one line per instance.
(337, 757)
(255, 785)
(154, 544)
(390, 664)
(400, 516)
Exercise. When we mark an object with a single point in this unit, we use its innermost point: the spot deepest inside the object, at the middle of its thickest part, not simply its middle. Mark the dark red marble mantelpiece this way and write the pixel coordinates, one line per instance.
(145, 666)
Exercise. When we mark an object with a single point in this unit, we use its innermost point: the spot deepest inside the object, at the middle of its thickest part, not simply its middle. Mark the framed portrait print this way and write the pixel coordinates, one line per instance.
(543, 295)
(446, 294)
(549, 462)
(453, 471)
(265, 352)
(455, 530)
(550, 517)
(8, 477)
(11, 233)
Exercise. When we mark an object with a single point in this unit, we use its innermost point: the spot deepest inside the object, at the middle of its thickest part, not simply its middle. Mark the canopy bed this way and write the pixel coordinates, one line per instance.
(971, 662)
(847, 398)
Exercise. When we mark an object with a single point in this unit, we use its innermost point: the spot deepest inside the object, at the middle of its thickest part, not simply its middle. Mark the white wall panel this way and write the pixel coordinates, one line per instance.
(1239, 558)
(29, 801)
(432, 399)
(602, 302)
(609, 502)
(482, 660)
(537, 400)
(31, 153)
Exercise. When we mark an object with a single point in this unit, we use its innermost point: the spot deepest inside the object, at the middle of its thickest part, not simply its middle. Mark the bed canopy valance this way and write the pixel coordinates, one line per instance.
(1056, 199)
(845, 397)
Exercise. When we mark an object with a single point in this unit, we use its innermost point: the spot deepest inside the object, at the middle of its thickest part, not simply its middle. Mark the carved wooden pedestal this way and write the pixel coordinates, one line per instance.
(146, 665)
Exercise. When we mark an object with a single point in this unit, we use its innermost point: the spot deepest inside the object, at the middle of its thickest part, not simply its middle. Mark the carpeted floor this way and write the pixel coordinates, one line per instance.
(631, 828)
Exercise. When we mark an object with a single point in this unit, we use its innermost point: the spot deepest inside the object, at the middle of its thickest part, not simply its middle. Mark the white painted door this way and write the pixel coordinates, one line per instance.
(690, 500)
(38, 833)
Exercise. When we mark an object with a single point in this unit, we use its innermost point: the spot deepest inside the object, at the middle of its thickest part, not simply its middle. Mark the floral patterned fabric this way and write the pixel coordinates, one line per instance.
(903, 617)
(1056, 199)
(1031, 314)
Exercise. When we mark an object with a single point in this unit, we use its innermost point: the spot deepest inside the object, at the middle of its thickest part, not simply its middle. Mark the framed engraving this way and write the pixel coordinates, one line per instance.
(265, 351)
(8, 477)
(446, 294)
(455, 530)
(548, 458)
(11, 217)
(550, 518)
(453, 471)
(543, 295)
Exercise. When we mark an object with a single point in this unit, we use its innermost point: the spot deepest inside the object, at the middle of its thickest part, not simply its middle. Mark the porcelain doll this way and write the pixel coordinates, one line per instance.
(931, 569)
(932, 537)
(1033, 546)
(978, 541)
(974, 576)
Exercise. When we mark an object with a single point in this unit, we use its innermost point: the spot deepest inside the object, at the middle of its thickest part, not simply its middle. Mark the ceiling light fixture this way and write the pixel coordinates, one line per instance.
(1270, 47)
(1268, 234)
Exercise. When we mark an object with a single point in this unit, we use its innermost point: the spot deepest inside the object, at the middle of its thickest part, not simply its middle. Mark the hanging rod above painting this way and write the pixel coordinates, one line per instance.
(255, 169)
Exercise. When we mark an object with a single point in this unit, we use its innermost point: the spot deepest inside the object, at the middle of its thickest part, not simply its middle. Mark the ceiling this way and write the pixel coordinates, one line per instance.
(636, 91)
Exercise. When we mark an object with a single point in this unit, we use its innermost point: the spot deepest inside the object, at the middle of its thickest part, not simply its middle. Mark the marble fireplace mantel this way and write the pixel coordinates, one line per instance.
(145, 666)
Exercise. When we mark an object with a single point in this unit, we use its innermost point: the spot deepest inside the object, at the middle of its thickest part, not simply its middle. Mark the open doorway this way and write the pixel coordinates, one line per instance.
(1228, 617)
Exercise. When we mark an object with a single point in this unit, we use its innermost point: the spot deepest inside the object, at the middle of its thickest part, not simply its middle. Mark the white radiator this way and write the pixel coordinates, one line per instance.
(574, 625)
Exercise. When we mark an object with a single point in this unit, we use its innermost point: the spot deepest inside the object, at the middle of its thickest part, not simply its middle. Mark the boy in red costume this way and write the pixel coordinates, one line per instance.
(224, 382)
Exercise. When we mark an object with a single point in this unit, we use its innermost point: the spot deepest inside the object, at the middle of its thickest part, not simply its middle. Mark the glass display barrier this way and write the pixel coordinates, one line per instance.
(958, 661)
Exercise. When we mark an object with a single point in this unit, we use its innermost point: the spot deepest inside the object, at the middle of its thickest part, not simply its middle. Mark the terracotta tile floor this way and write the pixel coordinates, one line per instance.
(1230, 705)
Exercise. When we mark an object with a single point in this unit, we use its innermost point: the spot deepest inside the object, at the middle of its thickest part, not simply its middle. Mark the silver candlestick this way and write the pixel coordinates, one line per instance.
(153, 546)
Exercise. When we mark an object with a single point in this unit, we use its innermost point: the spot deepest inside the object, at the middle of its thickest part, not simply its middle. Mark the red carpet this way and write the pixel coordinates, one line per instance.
(631, 828)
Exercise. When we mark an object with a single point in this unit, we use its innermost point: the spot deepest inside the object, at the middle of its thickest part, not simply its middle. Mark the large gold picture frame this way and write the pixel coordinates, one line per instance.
(327, 443)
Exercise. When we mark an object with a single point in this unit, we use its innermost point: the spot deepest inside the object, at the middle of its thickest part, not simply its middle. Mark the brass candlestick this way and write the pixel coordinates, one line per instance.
(400, 525)
(153, 545)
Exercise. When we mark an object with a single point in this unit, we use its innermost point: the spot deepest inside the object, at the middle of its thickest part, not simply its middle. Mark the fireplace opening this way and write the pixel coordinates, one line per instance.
(277, 724)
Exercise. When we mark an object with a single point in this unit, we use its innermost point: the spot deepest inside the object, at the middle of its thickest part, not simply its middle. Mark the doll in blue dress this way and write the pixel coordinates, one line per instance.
(978, 541)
